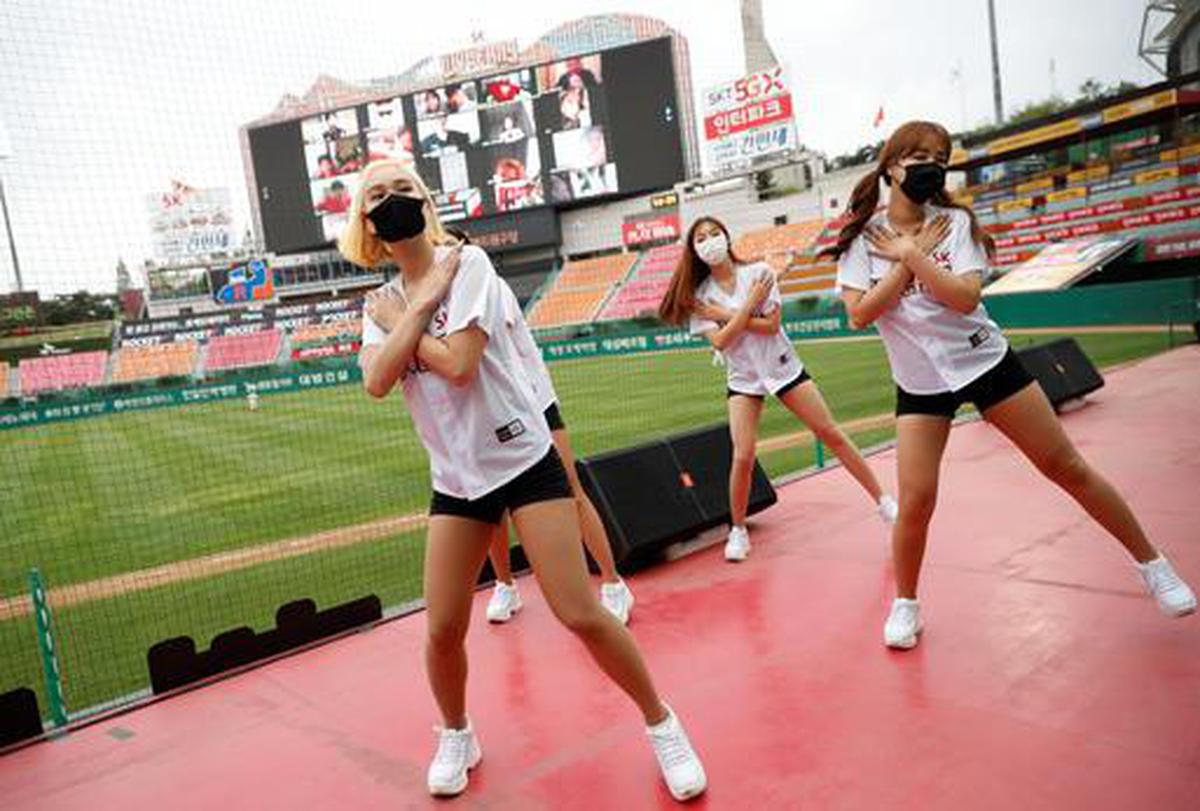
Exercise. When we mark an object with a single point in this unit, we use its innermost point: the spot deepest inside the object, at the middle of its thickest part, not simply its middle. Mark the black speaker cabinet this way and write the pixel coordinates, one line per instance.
(1062, 370)
(654, 494)
(20, 718)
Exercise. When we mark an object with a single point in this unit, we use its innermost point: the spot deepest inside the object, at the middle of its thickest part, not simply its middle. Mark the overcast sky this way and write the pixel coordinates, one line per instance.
(105, 101)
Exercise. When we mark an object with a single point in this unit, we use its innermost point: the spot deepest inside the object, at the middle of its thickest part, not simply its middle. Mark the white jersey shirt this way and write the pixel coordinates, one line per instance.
(754, 364)
(931, 348)
(482, 435)
(536, 375)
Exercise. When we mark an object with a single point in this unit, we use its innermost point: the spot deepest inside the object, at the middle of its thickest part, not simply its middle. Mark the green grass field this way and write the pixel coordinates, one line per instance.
(105, 496)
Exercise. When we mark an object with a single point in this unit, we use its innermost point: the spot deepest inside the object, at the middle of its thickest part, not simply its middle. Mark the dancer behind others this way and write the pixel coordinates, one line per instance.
(737, 307)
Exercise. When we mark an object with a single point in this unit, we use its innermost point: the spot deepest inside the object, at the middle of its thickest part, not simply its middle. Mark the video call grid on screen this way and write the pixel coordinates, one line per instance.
(555, 134)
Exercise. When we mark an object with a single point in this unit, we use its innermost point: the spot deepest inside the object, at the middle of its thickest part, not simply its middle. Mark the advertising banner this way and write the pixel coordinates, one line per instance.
(748, 118)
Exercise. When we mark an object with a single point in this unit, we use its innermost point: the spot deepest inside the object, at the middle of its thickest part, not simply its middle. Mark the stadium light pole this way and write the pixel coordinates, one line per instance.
(5, 154)
(12, 247)
(996, 97)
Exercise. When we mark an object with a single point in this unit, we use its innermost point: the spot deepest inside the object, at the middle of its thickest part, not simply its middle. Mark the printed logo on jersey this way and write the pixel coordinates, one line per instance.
(437, 324)
(514, 429)
(979, 337)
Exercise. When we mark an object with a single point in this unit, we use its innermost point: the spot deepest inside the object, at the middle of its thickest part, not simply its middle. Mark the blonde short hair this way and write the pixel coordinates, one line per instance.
(364, 248)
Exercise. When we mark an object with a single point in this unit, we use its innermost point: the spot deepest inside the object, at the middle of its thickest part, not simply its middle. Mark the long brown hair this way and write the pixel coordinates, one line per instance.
(907, 139)
(691, 271)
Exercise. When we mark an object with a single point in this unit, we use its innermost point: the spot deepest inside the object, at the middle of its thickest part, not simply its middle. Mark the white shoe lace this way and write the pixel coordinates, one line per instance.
(502, 597)
(453, 747)
(671, 747)
(1163, 578)
(903, 614)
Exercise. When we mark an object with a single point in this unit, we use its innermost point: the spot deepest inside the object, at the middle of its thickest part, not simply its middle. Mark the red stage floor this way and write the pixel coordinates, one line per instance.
(1045, 679)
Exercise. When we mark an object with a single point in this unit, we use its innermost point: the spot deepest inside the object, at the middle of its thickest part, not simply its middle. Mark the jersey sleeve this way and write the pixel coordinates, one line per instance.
(699, 326)
(854, 267)
(966, 255)
(372, 335)
(475, 296)
(774, 298)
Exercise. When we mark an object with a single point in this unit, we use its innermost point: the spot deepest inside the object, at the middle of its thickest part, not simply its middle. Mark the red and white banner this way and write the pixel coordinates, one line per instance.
(1175, 246)
(650, 229)
(748, 118)
(1109, 226)
(326, 350)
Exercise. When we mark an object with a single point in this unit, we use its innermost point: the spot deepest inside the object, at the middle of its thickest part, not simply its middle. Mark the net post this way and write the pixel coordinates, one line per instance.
(45, 636)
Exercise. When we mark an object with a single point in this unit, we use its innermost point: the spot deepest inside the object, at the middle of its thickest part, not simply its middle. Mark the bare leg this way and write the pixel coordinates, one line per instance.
(806, 402)
(1029, 422)
(594, 536)
(744, 414)
(550, 532)
(920, 443)
(498, 554)
(453, 558)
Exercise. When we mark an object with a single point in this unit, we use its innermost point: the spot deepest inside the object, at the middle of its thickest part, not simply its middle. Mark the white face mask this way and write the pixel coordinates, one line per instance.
(714, 250)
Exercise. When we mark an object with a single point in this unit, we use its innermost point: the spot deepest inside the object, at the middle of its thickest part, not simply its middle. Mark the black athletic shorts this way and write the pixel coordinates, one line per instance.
(545, 481)
(997, 384)
(554, 418)
(803, 377)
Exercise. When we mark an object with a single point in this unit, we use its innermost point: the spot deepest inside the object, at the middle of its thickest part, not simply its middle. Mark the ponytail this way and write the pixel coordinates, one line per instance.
(863, 202)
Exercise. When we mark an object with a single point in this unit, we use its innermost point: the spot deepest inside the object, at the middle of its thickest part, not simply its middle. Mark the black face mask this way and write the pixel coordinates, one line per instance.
(398, 218)
(923, 180)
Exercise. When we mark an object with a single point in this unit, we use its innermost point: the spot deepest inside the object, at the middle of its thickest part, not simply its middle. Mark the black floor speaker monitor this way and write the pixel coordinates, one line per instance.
(1062, 370)
(654, 494)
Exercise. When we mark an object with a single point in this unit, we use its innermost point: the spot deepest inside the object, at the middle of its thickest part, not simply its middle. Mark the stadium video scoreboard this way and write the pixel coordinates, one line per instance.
(558, 134)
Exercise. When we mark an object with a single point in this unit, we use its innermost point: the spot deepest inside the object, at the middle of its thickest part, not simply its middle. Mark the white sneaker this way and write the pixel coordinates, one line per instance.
(903, 624)
(1173, 595)
(505, 602)
(889, 509)
(618, 599)
(738, 546)
(458, 752)
(680, 765)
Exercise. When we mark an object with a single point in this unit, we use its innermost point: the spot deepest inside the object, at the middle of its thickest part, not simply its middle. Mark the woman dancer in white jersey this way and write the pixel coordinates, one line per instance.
(615, 595)
(915, 270)
(490, 451)
(737, 307)
(505, 601)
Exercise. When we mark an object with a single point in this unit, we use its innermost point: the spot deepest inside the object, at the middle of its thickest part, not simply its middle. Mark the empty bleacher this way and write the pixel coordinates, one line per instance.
(1139, 210)
(134, 363)
(62, 372)
(643, 290)
(789, 249)
(243, 351)
(578, 291)
(777, 244)
(311, 333)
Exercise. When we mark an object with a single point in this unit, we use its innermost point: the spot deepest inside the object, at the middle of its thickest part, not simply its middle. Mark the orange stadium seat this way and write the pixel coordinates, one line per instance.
(579, 290)
(778, 243)
(320, 332)
(148, 362)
